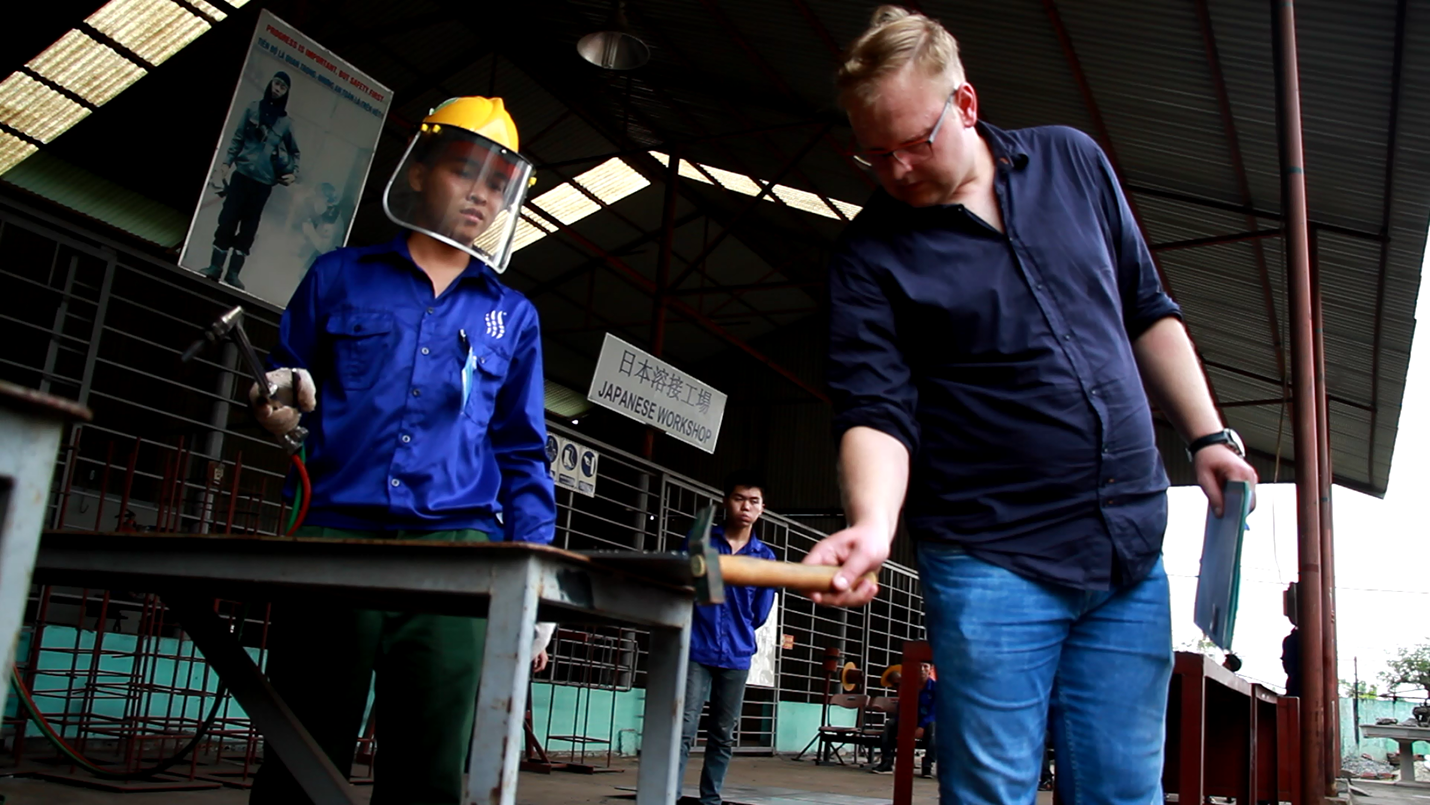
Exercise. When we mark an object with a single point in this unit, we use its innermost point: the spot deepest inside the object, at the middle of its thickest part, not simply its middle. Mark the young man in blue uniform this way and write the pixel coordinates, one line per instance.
(722, 640)
(431, 427)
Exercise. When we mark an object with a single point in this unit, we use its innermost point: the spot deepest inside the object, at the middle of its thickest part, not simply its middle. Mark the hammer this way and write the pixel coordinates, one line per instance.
(710, 570)
(230, 326)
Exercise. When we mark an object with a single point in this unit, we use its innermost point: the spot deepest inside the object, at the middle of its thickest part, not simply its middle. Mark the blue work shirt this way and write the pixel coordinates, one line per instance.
(723, 635)
(927, 696)
(392, 445)
(1003, 362)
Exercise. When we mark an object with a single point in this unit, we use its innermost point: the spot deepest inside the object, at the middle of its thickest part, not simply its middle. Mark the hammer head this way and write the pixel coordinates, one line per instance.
(705, 560)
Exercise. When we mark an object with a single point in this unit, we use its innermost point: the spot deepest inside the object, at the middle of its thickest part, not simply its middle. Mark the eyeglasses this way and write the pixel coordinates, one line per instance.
(909, 153)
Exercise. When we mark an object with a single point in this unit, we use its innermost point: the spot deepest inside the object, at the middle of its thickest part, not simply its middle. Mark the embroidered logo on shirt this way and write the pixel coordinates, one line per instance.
(496, 323)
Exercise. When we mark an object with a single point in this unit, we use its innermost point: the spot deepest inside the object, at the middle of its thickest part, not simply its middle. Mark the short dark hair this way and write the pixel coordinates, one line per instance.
(746, 478)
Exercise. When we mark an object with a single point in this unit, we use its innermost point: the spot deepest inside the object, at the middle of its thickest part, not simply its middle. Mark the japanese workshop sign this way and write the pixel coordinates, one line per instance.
(289, 167)
(572, 465)
(641, 386)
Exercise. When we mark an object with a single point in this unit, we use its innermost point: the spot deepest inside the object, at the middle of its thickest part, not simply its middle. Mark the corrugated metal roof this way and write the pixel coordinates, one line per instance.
(725, 66)
(81, 191)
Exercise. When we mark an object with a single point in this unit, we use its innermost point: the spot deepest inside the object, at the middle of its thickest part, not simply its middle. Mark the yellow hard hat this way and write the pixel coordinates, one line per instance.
(484, 116)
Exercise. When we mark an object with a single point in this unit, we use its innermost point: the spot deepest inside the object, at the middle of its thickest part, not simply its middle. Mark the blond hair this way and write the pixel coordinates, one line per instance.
(895, 39)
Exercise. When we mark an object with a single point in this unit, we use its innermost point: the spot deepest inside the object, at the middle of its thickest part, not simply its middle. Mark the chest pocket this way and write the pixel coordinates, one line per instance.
(362, 339)
(489, 371)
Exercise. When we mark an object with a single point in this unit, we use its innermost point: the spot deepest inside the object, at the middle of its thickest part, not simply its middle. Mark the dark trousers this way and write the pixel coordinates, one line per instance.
(890, 739)
(321, 660)
(242, 210)
(725, 690)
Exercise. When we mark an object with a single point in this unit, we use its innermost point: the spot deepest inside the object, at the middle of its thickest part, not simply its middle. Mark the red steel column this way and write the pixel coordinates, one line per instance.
(1329, 663)
(1308, 489)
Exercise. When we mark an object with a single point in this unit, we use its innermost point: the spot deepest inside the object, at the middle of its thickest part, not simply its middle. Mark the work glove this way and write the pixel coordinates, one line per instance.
(293, 394)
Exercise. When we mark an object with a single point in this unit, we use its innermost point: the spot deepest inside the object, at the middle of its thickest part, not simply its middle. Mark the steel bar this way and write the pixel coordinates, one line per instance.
(662, 274)
(501, 701)
(752, 202)
(1381, 270)
(1228, 206)
(319, 779)
(645, 284)
(1255, 235)
(1298, 269)
(1243, 184)
(1328, 563)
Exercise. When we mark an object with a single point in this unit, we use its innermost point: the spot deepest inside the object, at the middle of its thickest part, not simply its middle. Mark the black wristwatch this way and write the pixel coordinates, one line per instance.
(1226, 436)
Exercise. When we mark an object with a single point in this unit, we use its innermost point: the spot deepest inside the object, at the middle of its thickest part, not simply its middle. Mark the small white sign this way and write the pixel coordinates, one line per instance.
(572, 465)
(641, 386)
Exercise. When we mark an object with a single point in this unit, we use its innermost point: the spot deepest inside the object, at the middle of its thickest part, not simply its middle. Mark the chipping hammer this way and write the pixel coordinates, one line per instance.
(230, 325)
(710, 570)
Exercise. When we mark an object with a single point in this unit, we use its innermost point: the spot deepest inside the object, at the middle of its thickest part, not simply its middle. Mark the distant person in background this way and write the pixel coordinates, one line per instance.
(1291, 646)
(262, 153)
(928, 687)
(722, 640)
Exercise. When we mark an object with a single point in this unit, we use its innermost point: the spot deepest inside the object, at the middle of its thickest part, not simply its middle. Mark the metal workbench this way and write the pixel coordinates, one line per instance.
(512, 585)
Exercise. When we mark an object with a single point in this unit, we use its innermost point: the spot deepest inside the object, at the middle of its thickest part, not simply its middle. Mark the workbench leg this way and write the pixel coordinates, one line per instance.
(659, 782)
(497, 737)
(301, 754)
(1407, 761)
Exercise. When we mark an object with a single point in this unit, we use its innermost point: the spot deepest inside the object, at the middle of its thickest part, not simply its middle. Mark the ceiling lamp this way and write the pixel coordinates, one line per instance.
(614, 47)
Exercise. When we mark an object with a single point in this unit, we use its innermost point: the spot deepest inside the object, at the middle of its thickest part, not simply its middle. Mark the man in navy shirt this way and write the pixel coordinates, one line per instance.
(421, 377)
(722, 640)
(995, 317)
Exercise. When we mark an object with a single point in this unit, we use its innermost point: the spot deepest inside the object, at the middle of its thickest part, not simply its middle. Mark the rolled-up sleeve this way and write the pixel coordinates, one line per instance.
(866, 371)
(1144, 302)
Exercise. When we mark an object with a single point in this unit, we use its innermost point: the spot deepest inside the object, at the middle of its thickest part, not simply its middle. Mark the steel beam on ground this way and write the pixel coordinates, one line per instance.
(1303, 372)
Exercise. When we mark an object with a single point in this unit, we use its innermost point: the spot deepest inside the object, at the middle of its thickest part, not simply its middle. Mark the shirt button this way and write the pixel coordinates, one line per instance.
(1094, 392)
(417, 392)
(1040, 286)
(396, 482)
(1106, 449)
(406, 438)
(426, 351)
(430, 311)
(1067, 336)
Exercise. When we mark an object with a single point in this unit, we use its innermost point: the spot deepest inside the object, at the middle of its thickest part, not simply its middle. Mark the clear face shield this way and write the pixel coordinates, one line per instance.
(462, 189)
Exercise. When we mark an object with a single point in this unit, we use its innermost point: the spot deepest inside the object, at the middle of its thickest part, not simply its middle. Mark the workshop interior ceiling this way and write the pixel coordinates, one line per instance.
(1180, 93)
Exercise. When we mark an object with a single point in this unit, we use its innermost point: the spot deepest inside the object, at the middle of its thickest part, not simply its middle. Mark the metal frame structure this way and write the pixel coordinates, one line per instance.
(508, 583)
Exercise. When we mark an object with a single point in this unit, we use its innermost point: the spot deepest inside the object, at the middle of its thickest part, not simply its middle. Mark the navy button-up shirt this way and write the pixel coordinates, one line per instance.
(395, 441)
(1003, 362)
(723, 635)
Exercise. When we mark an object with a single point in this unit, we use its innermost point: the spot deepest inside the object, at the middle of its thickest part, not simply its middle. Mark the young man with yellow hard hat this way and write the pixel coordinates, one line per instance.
(431, 427)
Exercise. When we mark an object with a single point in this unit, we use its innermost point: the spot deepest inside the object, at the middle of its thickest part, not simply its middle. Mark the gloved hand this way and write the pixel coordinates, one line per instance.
(294, 394)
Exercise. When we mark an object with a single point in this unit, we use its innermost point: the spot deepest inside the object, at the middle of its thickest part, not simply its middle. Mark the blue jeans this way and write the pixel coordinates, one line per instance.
(725, 688)
(1006, 649)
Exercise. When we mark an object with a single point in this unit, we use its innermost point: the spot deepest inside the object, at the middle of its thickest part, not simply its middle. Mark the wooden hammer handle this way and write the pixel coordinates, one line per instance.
(745, 571)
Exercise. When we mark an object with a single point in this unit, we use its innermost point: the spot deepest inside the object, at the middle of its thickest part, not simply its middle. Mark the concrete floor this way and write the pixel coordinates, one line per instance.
(558, 788)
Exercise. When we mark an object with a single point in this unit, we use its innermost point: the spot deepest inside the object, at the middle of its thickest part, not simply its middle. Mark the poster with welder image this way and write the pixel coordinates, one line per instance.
(289, 167)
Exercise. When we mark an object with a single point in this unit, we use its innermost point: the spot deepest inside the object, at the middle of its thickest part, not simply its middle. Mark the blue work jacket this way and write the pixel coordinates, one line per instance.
(723, 635)
(396, 442)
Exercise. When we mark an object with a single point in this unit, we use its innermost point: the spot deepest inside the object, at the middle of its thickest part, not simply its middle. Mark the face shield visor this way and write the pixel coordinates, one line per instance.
(462, 189)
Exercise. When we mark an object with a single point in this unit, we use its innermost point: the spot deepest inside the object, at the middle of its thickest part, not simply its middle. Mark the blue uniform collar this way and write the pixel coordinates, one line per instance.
(719, 531)
(476, 269)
